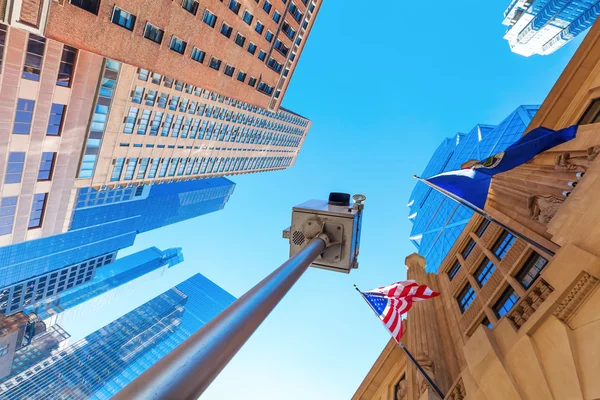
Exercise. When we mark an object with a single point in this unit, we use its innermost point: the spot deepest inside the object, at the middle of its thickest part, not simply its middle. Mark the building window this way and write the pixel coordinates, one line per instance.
(123, 18)
(37, 210)
(151, 97)
(33, 58)
(130, 169)
(503, 244)
(8, 207)
(144, 121)
(198, 55)
(454, 270)
(262, 55)
(506, 301)
(14, 167)
(251, 48)
(209, 18)
(190, 5)
(468, 248)
(252, 81)
(465, 298)
(592, 114)
(215, 63)
(156, 78)
(276, 16)
(226, 30)
(267, 6)
(46, 166)
(153, 33)
(482, 227)
(531, 270)
(65, 71)
(130, 120)
(177, 45)
(88, 5)
(248, 17)
(3, 31)
(274, 65)
(117, 169)
(241, 76)
(143, 74)
(55, 122)
(483, 273)
(3, 350)
(264, 88)
(281, 48)
(137, 95)
(234, 6)
(259, 27)
(486, 322)
(240, 40)
(269, 36)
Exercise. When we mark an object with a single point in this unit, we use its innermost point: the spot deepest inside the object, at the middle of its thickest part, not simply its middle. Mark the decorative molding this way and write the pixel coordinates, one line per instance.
(578, 294)
(458, 392)
(530, 303)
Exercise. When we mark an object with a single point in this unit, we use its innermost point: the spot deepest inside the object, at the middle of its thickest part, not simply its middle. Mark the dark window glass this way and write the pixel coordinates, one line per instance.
(209, 18)
(503, 244)
(240, 40)
(482, 227)
(88, 5)
(251, 48)
(226, 30)
(123, 18)
(153, 33)
(506, 301)
(65, 71)
(23, 117)
(592, 114)
(247, 17)
(465, 298)
(259, 27)
(190, 5)
(276, 16)
(241, 76)
(234, 6)
(117, 169)
(483, 273)
(264, 88)
(454, 270)
(37, 210)
(274, 65)
(177, 45)
(198, 55)
(55, 122)
(33, 58)
(14, 167)
(269, 36)
(486, 322)
(3, 31)
(281, 48)
(215, 63)
(267, 6)
(468, 248)
(531, 270)
(252, 81)
(262, 55)
(46, 166)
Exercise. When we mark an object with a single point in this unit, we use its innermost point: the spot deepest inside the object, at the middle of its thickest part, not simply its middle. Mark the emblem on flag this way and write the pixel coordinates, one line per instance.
(391, 302)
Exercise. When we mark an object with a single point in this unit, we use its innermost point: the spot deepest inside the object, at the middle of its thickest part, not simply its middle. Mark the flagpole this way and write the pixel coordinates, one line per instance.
(485, 215)
(408, 354)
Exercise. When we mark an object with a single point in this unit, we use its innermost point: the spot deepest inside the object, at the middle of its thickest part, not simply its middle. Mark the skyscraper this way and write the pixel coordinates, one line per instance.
(437, 220)
(544, 26)
(104, 362)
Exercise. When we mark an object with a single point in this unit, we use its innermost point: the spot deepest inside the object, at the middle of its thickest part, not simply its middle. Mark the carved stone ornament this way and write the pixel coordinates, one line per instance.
(577, 295)
(427, 365)
(458, 392)
(543, 207)
(401, 389)
(565, 162)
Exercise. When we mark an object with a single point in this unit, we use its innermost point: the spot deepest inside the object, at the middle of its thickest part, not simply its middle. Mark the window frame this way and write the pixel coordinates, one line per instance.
(50, 169)
(175, 38)
(157, 30)
(463, 304)
(506, 295)
(112, 18)
(42, 209)
(527, 266)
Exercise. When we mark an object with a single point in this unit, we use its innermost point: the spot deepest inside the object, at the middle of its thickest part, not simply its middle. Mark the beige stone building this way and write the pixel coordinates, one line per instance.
(512, 321)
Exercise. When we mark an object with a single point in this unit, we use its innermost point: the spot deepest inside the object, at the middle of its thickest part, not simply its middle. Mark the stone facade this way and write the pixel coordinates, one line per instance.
(528, 328)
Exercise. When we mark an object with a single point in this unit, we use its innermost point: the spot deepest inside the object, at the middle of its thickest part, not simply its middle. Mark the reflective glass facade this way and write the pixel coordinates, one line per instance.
(105, 361)
(544, 26)
(437, 220)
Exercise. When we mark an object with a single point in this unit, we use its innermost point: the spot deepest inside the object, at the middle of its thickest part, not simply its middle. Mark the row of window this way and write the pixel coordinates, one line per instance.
(24, 117)
(152, 96)
(16, 163)
(34, 57)
(8, 206)
(162, 167)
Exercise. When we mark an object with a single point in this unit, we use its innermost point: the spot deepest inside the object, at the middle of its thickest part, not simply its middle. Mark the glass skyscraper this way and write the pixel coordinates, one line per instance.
(437, 220)
(544, 26)
(108, 220)
(105, 361)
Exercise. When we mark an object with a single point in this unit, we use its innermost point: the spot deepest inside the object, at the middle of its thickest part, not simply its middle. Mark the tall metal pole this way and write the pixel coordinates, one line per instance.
(186, 372)
(408, 354)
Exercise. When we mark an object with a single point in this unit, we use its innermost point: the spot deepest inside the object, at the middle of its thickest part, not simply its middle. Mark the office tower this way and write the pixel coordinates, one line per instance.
(104, 362)
(106, 221)
(544, 26)
(148, 128)
(515, 321)
(437, 220)
(244, 49)
(46, 97)
(111, 284)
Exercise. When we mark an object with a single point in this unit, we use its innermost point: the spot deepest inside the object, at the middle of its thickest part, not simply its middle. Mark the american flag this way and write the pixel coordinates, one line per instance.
(390, 302)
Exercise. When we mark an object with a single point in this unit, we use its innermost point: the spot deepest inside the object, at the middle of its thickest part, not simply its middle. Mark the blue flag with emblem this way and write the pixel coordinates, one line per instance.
(472, 185)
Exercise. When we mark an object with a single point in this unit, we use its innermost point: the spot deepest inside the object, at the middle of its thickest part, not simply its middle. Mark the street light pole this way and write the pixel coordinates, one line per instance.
(186, 372)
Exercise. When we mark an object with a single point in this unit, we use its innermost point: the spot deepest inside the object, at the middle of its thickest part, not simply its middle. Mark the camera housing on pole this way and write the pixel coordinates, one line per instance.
(339, 220)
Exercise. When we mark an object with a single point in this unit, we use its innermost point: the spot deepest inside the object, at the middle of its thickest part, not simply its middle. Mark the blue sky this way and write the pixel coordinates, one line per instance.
(383, 83)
